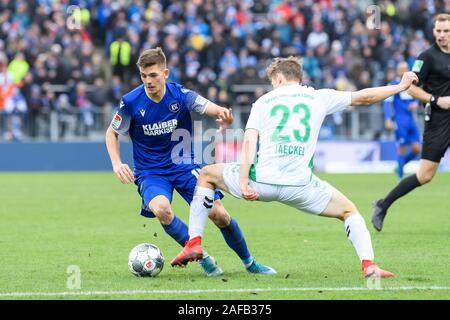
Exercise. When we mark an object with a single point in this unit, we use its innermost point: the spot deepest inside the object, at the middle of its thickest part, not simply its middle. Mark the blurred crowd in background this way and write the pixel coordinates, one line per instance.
(76, 59)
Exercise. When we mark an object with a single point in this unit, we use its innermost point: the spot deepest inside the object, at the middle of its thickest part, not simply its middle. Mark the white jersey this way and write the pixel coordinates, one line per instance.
(288, 120)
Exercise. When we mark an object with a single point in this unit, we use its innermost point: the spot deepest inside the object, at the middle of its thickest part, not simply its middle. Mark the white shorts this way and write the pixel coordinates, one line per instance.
(312, 197)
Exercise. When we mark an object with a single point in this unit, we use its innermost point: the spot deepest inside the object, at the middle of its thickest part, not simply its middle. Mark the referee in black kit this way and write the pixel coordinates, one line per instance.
(433, 70)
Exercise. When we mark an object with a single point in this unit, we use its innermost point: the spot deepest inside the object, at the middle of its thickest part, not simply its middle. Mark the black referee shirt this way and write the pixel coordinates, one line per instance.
(433, 70)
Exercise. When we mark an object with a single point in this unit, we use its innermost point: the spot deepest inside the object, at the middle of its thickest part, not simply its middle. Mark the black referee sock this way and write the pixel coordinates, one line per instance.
(406, 185)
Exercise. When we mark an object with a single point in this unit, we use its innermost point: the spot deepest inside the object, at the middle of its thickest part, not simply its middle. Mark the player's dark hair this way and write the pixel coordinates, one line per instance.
(291, 68)
(440, 17)
(151, 57)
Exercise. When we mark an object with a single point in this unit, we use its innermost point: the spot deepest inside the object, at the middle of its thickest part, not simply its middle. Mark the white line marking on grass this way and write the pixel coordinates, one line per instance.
(133, 292)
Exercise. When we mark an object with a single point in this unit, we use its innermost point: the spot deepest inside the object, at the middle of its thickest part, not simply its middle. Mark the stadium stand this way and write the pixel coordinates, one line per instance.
(64, 64)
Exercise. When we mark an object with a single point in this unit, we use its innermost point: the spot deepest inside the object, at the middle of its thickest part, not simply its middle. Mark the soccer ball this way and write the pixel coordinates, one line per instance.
(145, 260)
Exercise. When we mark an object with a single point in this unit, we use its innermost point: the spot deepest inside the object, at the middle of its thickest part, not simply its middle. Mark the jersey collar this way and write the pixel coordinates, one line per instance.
(164, 94)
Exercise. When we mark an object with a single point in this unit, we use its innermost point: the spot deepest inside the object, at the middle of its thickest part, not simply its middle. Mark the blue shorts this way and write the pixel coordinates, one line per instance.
(153, 184)
(407, 133)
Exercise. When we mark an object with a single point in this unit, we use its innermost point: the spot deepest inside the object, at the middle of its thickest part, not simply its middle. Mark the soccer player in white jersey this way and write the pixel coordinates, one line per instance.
(286, 123)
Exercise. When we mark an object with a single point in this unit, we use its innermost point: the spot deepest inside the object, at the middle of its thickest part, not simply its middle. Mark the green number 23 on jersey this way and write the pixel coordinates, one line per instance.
(286, 113)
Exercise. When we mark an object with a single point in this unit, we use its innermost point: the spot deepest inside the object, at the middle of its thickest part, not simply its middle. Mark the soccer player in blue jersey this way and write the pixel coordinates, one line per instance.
(402, 120)
(149, 114)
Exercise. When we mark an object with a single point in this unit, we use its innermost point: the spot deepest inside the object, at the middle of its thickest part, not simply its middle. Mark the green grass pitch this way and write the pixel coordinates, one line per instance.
(50, 221)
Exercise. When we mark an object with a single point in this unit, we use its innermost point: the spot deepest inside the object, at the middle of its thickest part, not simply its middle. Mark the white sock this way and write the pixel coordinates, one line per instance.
(357, 233)
(201, 206)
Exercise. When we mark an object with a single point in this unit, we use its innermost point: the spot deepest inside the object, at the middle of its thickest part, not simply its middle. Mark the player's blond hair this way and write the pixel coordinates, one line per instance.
(151, 57)
(440, 17)
(291, 68)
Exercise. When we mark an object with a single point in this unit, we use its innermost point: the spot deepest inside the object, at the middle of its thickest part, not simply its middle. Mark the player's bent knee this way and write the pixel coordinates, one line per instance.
(425, 177)
(340, 209)
(346, 214)
(427, 170)
(347, 211)
(209, 173)
(163, 211)
(204, 174)
(164, 215)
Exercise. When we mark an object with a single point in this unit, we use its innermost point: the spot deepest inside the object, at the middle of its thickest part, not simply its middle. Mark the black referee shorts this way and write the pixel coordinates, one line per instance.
(436, 137)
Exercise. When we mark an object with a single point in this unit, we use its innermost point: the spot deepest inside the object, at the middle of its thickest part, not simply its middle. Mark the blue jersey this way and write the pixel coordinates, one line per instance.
(400, 103)
(406, 131)
(150, 126)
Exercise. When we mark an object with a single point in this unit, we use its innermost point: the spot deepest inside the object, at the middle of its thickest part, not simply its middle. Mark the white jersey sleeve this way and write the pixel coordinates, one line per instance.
(288, 120)
(253, 121)
(335, 100)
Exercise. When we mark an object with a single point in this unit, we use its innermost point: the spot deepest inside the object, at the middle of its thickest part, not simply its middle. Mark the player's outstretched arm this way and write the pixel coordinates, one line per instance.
(373, 95)
(223, 115)
(248, 154)
(388, 123)
(122, 170)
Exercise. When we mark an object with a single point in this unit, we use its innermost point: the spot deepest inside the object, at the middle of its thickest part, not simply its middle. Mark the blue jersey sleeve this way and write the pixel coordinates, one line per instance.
(387, 107)
(122, 119)
(194, 101)
(388, 102)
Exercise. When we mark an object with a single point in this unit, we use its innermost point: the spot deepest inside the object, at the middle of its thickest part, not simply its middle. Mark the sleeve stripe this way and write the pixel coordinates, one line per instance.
(204, 108)
(122, 134)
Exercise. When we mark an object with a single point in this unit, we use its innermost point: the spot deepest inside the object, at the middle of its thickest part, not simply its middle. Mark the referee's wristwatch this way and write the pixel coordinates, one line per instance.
(433, 101)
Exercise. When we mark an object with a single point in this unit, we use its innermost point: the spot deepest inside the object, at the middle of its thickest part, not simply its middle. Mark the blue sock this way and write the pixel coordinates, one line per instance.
(401, 163)
(178, 230)
(235, 239)
(403, 160)
(409, 156)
